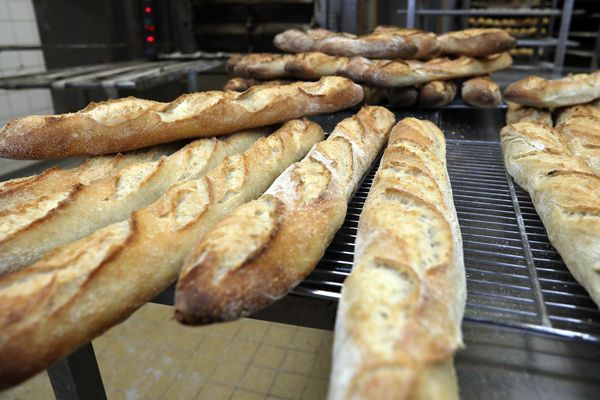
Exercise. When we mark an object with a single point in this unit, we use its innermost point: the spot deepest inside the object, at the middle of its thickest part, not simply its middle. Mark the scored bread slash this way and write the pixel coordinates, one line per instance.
(476, 42)
(266, 247)
(518, 113)
(399, 318)
(79, 290)
(130, 123)
(31, 229)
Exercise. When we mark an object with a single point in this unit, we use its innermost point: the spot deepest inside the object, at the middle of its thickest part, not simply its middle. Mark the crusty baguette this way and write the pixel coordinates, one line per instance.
(518, 113)
(130, 123)
(401, 97)
(80, 290)
(476, 42)
(57, 180)
(565, 193)
(32, 229)
(232, 62)
(266, 247)
(384, 73)
(426, 42)
(373, 45)
(238, 84)
(579, 127)
(544, 93)
(399, 318)
(481, 91)
(437, 94)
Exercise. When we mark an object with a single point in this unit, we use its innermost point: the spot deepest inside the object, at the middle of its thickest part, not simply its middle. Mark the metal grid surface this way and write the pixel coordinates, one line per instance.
(514, 276)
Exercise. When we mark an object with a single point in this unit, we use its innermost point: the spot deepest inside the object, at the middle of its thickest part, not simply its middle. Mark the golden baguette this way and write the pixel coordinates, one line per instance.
(242, 84)
(481, 91)
(565, 193)
(437, 94)
(580, 129)
(57, 180)
(399, 318)
(130, 123)
(384, 73)
(426, 42)
(518, 113)
(266, 247)
(80, 290)
(544, 93)
(476, 42)
(32, 229)
(373, 45)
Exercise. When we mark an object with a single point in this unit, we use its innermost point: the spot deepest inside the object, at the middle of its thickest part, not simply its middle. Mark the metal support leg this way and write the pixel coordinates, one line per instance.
(192, 80)
(410, 13)
(563, 34)
(77, 377)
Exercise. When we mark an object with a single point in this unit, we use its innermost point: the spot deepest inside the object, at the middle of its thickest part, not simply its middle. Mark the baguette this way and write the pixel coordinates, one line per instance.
(543, 93)
(565, 193)
(579, 127)
(243, 84)
(481, 91)
(476, 42)
(54, 180)
(373, 45)
(426, 42)
(80, 290)
(384, 73)
(31, 230)
(130, 123)
(399, 318)
(437, 94)
(402, 96)
(518, 113)
(581, 110)
(266, 247)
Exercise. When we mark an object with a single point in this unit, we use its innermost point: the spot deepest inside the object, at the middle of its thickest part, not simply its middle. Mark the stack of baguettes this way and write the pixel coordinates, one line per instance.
(559, 164)
(404, 66)
(83, 248)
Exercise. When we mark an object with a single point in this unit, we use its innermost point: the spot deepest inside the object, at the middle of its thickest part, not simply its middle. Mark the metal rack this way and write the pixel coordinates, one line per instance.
(528, 324)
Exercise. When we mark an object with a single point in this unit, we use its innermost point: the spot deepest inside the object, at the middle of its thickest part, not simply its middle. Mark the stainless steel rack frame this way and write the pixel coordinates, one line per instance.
(530, 330)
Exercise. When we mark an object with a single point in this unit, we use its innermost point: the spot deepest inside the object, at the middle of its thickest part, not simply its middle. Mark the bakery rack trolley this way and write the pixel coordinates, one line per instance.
(530, 330)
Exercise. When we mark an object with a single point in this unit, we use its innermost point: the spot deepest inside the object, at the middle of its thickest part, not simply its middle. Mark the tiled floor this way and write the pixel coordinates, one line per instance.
(150, 356)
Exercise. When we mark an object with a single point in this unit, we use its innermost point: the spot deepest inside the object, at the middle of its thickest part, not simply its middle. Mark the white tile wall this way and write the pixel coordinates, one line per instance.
(18, 26)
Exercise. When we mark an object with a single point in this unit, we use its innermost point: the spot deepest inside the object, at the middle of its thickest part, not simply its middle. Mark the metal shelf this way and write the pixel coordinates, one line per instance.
(485, 12)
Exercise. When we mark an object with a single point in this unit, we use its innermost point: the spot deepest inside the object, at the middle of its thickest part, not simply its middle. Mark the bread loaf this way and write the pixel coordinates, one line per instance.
(543, 93)
(130, 123)
(399, 318)
(402, 97)
(518, 113)
(437, 94)
(266, 247)
(579, 127)
(426, 42)
(481, 91)
(384, 73)
(372, 45)
(55, 180)
(565, 193)
(32, 229)
(476, 42)
(80, 290)
(243, 84)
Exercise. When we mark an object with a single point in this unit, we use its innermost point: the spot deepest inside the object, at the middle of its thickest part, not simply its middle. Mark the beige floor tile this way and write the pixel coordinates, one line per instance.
(227, 329)
(321, 367)
(199, 364)
(37, 387)
(181, 390)
(245, 395)
(215, 392)
(241, 351)
(212, 346)
(228, 372)
(258, 379)
(300, 362)
(252, 330)
(280, 335)
(269, 356)
(316, 389)
(288, 386)
(307, 340)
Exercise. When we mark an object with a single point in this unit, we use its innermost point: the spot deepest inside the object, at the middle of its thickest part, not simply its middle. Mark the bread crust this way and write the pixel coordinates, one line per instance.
(538, 92)
(565, 193)
(476, 42)
(399, 318)
(437, 94)
(481, 91)
(427, 44)
(82, 289)
(85, 208)
(518, 113)
(402, 97)
(373, 45)
(383, 73)
(238, 84)
(264, 249)
(126, 124)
